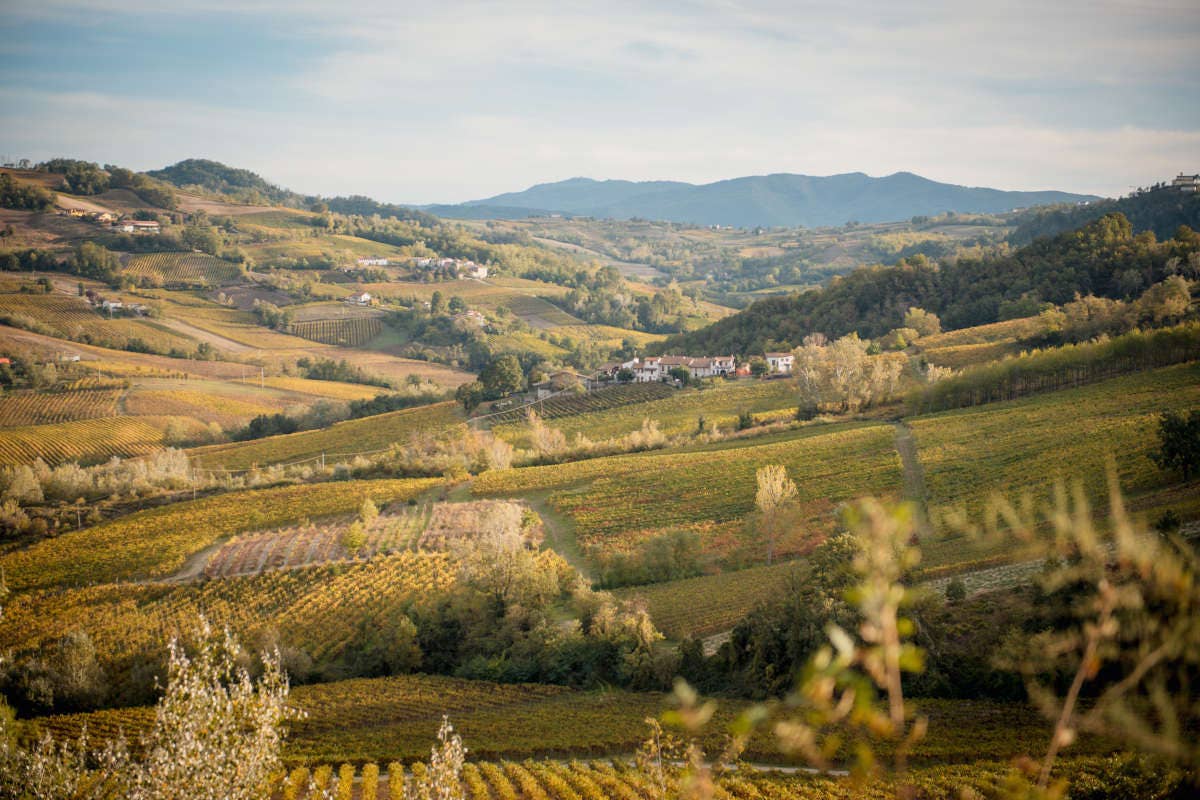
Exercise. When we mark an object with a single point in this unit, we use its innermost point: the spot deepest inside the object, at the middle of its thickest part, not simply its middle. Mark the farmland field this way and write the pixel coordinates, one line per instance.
(312, 544)
(182, 269)
(86, 399)
(156, 542)
(340, 440)
(351, 332)
(318, 609)
(1026, 445)
(709, 604)
(86, 441)
(72, 318)
(396, 718)
(616, 501)
(568, 405)
(679, 412)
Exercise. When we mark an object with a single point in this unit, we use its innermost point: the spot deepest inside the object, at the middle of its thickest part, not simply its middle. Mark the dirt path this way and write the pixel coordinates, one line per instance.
(560, 534)
(914, 476)
(216, 340)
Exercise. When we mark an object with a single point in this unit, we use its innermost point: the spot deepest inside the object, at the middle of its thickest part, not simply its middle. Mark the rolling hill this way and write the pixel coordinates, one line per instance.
(767, 200)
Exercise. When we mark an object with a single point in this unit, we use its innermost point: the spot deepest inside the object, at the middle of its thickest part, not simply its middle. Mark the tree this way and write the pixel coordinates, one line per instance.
(470, 395)
(502, 377)
(1179, 443)
(217, 734)
(776, 492)
(94, 261)
(443, 778)
(457, 305)
(436, 304)
(681, 374)
(925, 323)
(759, 367)
(625, 375)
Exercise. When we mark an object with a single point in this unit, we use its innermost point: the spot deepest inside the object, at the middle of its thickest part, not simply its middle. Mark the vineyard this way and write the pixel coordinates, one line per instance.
(156, 543)
(229, 405)
(678, 412)
(710, 604)
(592, 402)
(310, 545)
(347, 332)
(319, 610)
(395, 718)
(85, 399)
(65, 317)
(182, 269)
(343, 439)
(616, 501)
(1025, 445)
(87, 441)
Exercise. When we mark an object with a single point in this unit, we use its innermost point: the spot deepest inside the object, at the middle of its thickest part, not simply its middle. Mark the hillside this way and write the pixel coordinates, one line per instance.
(768, 200)
(1104, 258)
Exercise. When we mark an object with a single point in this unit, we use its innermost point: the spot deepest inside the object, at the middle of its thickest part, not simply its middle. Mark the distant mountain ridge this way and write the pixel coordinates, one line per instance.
(767, 200)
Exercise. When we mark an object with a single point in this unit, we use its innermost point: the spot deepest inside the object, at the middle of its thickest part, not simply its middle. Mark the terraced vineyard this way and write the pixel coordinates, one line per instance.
(157, 542)
(182, 269)
(592, 402)
(614, 502)
(348, 332)
(319, 610)
(309, 545)
(88, 399)
(86, 441)
(344, 438)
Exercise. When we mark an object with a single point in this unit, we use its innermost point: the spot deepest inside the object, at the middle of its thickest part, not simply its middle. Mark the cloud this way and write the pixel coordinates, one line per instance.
(443, 102)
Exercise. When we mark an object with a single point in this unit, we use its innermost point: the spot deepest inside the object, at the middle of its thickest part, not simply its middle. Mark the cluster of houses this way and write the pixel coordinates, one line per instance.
(462, 267)
(115, 223)
(115, 307)
(658, 368)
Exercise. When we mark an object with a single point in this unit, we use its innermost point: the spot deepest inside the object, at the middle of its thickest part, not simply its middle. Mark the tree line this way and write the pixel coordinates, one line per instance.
(1104, 258)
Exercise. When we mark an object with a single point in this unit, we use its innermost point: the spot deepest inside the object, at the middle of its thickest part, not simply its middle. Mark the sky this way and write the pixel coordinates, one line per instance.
(447, 101)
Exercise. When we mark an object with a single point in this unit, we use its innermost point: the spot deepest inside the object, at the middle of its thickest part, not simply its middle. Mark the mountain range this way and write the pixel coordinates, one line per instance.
(766, 200)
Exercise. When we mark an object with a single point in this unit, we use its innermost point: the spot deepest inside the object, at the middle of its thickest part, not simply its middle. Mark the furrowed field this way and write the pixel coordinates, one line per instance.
(345, 438)
(182, 269)
(318, 609)
(86, 441)
(1024, 446)
(71, 318)
(568, 405)
(85, 399)
(155, 543)
(616, 501)
(395, 718)
(350, 332)
(709, 604)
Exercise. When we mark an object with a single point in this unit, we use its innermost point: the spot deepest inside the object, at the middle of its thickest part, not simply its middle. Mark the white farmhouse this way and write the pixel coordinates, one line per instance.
(780, 363)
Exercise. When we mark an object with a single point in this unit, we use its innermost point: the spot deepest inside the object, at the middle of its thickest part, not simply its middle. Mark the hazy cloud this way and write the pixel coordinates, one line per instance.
(427, 103)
